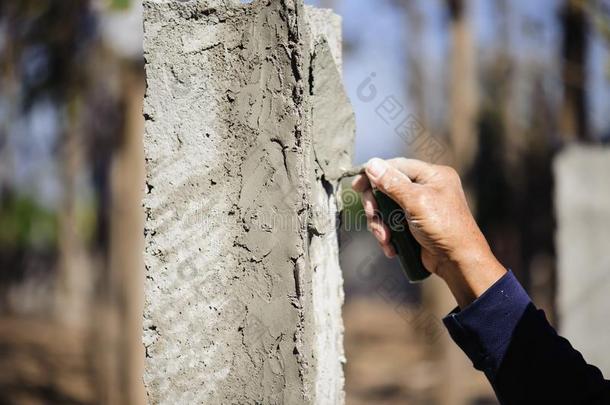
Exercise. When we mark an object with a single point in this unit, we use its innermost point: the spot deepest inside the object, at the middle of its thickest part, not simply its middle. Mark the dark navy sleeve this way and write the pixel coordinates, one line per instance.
(523, 357)
(484, 328)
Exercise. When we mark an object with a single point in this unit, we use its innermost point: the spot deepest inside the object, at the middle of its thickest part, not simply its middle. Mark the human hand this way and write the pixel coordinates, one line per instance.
(438, 216)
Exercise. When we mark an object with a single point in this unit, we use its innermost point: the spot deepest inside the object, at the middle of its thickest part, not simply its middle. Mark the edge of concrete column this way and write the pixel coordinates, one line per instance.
(229, 152)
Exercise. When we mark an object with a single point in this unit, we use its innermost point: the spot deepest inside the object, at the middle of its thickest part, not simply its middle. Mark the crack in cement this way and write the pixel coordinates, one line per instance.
(235, 138)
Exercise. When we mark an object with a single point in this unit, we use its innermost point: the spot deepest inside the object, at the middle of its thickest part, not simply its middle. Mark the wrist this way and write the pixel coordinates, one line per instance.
(470, 274)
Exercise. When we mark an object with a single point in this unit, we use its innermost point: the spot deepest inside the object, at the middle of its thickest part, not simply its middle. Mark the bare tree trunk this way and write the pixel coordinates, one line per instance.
(514, 139)
(127, 241)
(463, 88)
(458, 382)
(82, 344)
(573, 121)
(417, 73)
(74, 278)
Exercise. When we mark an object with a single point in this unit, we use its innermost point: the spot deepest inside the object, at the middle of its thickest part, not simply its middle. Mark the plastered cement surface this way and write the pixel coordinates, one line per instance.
(333, 129)
(582, 200)
(243, 287)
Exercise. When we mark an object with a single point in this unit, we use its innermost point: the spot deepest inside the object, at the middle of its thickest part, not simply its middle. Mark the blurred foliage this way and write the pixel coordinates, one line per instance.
(353, 218)
(120, 4)
(48, 56)
(25, 224)
(48, 46)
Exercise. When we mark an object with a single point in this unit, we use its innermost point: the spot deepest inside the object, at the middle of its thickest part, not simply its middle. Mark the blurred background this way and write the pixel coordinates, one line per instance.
(496, 88)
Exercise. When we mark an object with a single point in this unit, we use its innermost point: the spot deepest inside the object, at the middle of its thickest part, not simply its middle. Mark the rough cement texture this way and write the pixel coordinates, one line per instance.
(243, 287)
(333, 129)
(582, 200)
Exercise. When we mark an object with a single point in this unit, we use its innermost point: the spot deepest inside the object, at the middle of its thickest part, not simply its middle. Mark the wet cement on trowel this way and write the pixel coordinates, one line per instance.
(238, 205)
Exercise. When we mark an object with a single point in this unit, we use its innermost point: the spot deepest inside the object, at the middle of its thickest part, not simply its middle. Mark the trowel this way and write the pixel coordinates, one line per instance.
(406, 246)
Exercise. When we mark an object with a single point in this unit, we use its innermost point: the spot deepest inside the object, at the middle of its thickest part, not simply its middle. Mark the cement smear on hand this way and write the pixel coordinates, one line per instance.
(243, 286)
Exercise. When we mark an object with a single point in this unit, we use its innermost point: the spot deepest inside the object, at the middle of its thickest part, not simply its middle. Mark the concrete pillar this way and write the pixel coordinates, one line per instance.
(243, 289)
(582, 201)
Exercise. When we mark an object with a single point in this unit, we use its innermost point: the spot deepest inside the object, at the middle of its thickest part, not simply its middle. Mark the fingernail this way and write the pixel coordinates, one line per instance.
(376, 168)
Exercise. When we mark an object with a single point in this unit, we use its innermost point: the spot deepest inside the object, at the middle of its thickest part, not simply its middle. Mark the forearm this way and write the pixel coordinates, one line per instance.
(471, 274)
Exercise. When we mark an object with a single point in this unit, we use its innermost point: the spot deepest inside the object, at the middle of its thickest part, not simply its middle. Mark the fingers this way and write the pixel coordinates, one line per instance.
(416, 170)
(369, 204)
(395, 178)
(380, 230)
(391, 181)
(375, 224)
(382, 234)
(360, 183)
(388, 251)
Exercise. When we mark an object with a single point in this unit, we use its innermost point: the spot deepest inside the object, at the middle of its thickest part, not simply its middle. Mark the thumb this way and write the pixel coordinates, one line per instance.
(391, 181)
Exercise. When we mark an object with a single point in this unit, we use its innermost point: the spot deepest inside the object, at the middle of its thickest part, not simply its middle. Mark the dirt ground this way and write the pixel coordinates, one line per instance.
(389, 364)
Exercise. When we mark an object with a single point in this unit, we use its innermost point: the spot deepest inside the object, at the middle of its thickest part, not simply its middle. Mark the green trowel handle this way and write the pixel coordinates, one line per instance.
(407, 248)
